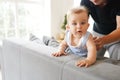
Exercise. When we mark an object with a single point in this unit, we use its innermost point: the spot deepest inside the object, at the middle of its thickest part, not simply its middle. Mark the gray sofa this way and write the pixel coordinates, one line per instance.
(25, 60)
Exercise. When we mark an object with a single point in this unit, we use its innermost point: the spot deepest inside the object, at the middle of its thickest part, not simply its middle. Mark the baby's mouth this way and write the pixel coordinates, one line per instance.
(79, 31)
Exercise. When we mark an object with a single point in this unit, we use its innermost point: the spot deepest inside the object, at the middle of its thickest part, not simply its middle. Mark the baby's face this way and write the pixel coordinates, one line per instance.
(78, 24)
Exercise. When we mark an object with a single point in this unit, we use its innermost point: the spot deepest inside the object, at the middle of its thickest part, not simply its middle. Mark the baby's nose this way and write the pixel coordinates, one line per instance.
(79, 26)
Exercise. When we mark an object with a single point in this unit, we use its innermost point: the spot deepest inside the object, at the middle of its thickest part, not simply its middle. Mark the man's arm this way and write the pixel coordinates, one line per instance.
(112, 37)
(115, 35)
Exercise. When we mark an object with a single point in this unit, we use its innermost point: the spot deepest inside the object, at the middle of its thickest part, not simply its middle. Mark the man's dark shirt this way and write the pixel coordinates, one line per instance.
(104, 17)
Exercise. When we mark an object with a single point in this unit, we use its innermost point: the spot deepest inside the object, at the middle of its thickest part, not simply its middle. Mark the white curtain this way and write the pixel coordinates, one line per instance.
(19, 18)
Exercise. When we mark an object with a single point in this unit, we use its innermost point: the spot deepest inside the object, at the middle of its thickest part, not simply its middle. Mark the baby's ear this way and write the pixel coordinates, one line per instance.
(67, 27)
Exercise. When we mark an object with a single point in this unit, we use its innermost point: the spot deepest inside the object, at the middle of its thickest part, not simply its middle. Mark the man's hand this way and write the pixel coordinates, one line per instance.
(99, 42)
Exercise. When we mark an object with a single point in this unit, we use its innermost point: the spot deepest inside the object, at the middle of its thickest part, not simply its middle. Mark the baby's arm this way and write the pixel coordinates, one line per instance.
(61, 50)
(91, 56)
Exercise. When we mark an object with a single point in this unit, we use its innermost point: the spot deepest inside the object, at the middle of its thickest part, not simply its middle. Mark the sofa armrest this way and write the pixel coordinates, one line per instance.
(25, 60)
(99, 71)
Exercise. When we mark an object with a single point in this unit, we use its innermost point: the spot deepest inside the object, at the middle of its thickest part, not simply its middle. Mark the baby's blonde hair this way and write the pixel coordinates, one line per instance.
(77, 10)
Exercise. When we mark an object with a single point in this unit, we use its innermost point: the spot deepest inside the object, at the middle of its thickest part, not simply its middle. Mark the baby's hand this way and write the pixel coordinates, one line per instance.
(59, 53)
(82, 63)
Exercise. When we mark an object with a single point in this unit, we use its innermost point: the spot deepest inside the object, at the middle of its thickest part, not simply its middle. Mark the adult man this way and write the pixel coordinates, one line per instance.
(106, 28)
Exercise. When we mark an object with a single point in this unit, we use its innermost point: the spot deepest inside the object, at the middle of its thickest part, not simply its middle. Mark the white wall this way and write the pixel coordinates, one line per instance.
(58, 10)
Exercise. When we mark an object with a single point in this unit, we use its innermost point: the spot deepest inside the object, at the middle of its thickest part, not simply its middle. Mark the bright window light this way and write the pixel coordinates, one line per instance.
(19, 18)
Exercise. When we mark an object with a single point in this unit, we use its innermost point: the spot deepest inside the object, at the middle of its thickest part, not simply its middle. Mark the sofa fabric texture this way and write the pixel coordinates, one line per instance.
(26, 60)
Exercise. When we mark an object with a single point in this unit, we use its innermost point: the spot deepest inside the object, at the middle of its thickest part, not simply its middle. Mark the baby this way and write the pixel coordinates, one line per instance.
(77, 38)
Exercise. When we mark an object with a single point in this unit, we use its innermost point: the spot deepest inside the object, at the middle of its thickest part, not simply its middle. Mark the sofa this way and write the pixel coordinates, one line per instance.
(26, 60)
